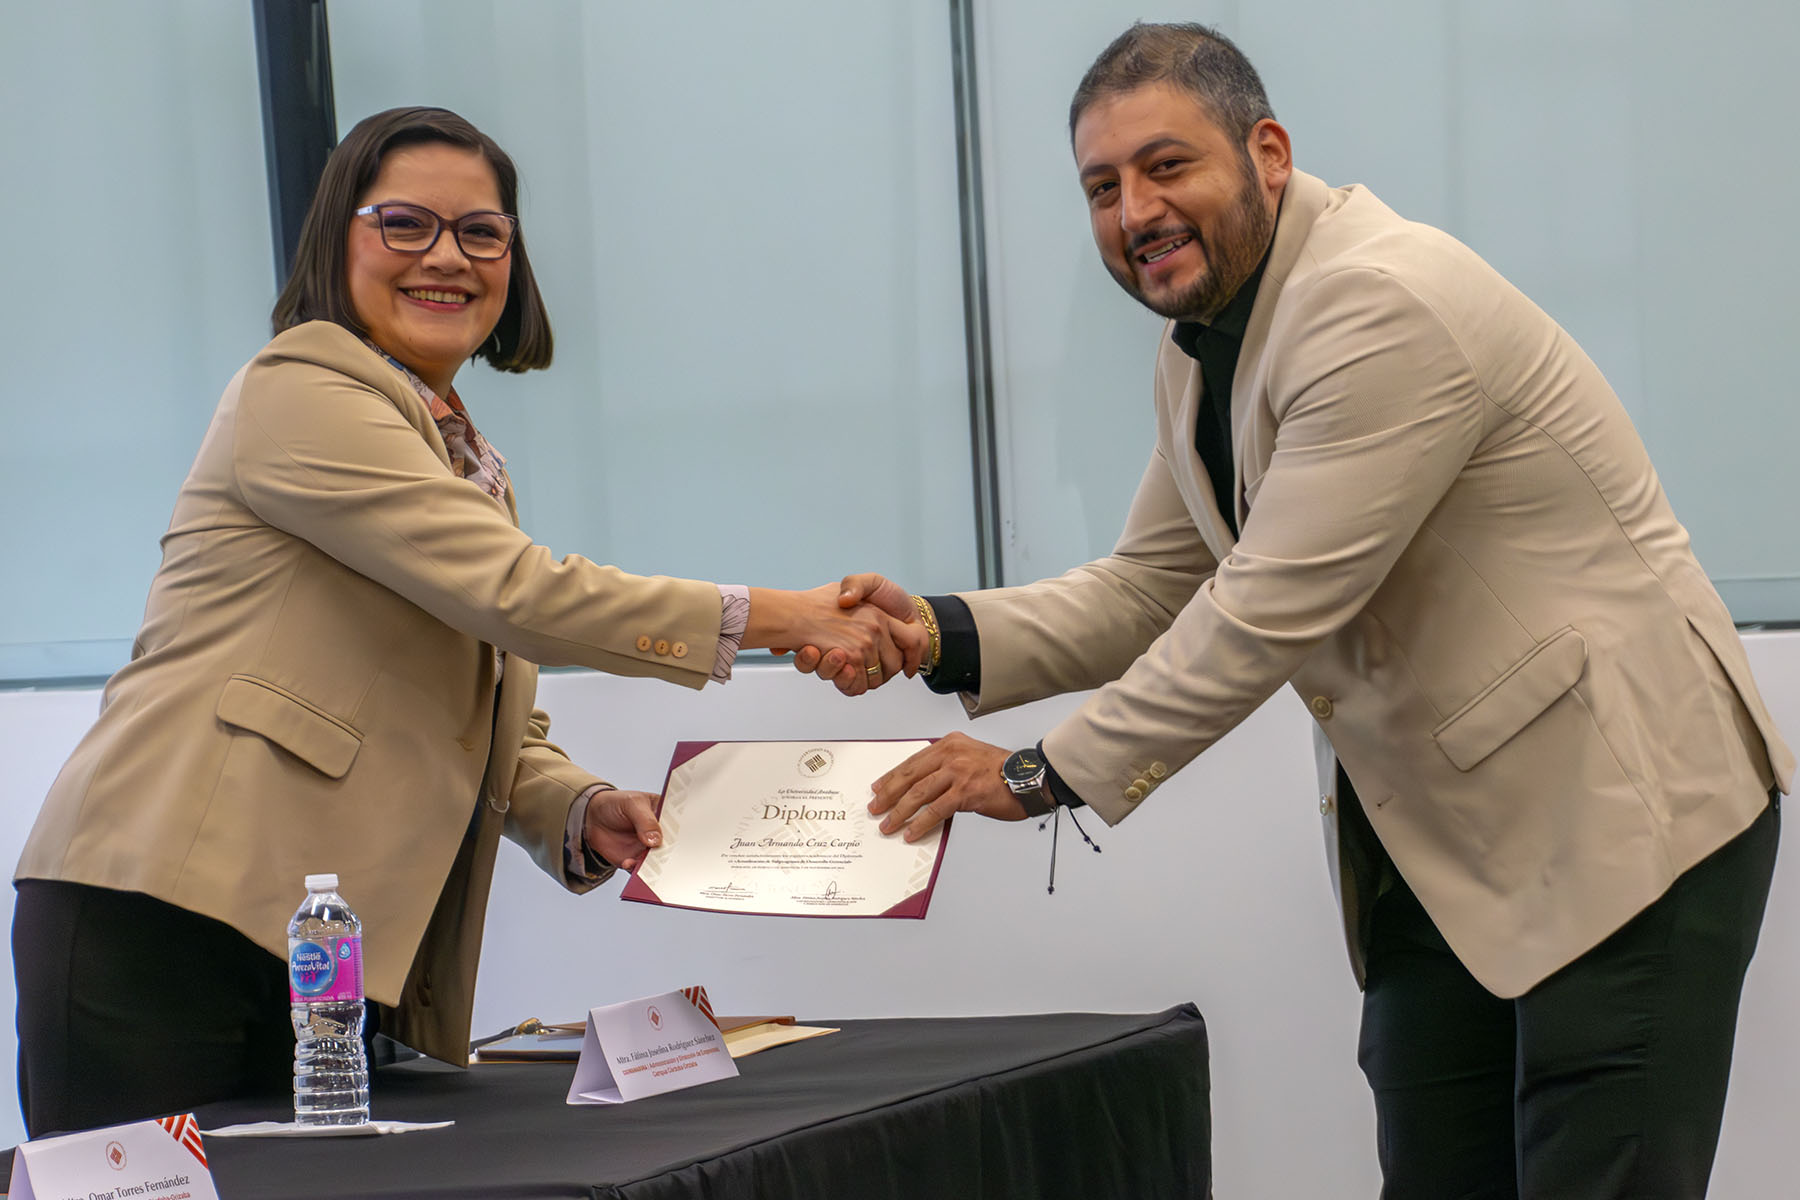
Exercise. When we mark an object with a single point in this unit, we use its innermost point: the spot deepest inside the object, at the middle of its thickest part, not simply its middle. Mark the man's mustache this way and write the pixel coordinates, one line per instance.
(1163, 234)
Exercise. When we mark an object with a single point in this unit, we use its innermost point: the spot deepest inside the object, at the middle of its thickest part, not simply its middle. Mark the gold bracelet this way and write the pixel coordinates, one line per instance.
(928, 618)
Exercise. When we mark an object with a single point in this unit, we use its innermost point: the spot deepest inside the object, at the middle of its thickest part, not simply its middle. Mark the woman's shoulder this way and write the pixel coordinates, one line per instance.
(316, 373)
(323, 344)
(324, 354)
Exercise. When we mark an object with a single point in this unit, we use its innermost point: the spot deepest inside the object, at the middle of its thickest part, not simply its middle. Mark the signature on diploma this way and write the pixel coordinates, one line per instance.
(726, 891)
(828, 897)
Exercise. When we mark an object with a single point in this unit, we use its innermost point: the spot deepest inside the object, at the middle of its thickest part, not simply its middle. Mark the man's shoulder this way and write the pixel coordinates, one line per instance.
(1358, 231)
(1341, 246)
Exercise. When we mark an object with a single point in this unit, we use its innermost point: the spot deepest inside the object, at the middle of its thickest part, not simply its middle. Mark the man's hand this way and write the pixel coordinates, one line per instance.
(878, 592)
(621, 826)
(954, 774)
(855, 646)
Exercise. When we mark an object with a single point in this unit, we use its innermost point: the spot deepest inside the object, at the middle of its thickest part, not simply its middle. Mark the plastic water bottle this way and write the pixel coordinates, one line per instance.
(325, 984)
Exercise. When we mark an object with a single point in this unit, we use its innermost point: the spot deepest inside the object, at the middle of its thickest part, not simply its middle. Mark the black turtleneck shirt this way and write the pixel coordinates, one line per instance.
(1215, 346)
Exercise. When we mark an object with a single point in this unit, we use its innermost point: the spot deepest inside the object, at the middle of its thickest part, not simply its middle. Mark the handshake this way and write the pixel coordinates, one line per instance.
(857, 634)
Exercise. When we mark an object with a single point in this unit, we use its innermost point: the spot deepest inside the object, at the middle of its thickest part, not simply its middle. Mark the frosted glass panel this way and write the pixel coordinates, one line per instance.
(1625, 164)
(1072, 353)
(1715, 183)
(141, 282)
(744, 221)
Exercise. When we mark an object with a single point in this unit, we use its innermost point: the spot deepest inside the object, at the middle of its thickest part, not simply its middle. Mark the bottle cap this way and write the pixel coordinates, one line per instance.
(321, 883)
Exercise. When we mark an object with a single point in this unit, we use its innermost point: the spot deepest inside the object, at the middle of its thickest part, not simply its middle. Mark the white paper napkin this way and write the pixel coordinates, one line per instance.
(289, 1129)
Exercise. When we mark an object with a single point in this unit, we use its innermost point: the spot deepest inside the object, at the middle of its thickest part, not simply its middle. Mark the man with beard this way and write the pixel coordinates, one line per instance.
(1383, 475)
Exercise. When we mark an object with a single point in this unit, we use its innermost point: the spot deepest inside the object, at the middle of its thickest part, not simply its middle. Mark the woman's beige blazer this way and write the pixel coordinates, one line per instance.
(314, 686)
(1454, 547)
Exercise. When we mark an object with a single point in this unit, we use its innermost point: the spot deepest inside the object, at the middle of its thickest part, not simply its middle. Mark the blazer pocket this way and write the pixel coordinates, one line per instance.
(310, 734)
(1514, 700)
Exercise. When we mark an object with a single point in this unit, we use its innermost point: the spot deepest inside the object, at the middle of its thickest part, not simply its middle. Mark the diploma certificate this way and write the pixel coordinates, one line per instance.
(783, 829)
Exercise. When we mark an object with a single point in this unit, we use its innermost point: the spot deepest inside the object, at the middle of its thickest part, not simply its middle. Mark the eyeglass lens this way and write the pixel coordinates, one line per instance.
(480, 234)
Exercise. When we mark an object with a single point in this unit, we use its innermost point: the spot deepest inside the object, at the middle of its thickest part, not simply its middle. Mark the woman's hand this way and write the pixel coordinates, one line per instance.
(870, 590)
(859, 646)
(621, 826)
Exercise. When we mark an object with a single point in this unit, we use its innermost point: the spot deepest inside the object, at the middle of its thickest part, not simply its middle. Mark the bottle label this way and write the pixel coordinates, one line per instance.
(325, 969)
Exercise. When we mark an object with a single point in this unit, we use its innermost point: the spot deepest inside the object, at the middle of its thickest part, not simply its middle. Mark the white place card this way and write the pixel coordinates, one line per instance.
(162, 1159)
(646, 1047)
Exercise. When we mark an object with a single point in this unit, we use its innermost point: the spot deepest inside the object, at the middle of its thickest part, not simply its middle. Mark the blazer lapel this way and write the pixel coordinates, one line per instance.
(1301, 203)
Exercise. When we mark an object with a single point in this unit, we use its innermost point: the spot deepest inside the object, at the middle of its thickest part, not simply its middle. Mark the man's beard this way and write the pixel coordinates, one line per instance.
(1242, 238)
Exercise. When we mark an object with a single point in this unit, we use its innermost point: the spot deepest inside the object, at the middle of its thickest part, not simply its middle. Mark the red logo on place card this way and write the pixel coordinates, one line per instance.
(115, 1156)
(697, 997)
(185, 1130)
(655, 1018)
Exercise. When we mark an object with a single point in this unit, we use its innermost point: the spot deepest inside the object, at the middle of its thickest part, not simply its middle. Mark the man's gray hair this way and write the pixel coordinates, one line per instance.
(1195, 58)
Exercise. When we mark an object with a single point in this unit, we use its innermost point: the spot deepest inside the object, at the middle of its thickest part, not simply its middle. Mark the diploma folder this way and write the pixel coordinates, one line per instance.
(642, 886)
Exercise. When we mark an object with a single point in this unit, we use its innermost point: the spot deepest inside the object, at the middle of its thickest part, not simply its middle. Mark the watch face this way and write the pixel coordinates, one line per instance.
(1024, 768)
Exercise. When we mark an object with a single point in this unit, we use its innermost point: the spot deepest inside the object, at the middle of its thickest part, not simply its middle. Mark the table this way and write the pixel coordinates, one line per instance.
(1075, 1105)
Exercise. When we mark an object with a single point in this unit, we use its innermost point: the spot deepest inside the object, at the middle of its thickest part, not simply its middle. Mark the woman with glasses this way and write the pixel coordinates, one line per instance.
(337, 666)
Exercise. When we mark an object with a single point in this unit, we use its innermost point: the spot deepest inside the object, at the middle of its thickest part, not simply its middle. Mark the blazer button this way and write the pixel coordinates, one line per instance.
(1140, 784)
(643, 641)
(1157, 770)
(1321, 707)
(678, 650)
(662, 646)
(1324, 806)
(1132, 793)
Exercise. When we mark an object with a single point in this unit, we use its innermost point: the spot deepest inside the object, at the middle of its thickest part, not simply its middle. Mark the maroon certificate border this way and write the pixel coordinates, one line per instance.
(911, 908)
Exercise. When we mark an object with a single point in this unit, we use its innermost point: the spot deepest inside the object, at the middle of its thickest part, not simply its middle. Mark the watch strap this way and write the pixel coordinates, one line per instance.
(1038, 802)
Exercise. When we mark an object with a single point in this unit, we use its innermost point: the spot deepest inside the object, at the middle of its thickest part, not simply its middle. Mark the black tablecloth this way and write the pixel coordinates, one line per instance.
(1084, 1106)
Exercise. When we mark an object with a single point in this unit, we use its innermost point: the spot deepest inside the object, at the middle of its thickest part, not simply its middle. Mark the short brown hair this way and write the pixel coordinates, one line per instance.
(317, 290)
(1198, 59)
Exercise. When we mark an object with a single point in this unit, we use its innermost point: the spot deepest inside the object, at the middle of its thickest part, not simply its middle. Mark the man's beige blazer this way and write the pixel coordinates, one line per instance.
(314, 686)
(1454, 547)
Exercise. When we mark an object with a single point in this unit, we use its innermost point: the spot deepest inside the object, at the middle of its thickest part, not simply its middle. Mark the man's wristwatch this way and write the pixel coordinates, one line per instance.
(1027, 775)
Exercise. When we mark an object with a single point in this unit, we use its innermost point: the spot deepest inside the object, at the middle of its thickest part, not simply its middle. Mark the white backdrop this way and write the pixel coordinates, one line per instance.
(1216, 894)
